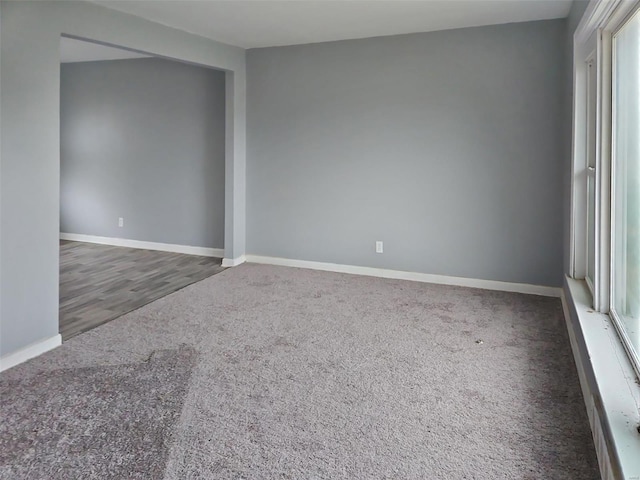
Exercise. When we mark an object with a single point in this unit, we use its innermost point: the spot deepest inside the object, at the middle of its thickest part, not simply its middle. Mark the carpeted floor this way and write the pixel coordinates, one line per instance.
(265, 372)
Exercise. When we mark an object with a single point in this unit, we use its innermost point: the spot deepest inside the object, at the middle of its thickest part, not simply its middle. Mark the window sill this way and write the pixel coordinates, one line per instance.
(607, 378)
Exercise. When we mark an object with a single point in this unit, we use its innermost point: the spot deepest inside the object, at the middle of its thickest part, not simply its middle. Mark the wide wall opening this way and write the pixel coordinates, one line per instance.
(142, 180)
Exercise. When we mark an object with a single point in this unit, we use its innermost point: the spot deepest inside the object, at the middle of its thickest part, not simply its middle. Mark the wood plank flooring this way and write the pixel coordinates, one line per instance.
(99, 283)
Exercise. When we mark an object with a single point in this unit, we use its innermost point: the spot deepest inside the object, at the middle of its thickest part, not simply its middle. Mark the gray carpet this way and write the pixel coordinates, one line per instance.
(268, 372)
(57, 425)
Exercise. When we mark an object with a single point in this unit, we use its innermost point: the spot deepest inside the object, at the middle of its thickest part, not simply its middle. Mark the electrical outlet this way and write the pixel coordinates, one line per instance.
(379, 247)
(121, 222)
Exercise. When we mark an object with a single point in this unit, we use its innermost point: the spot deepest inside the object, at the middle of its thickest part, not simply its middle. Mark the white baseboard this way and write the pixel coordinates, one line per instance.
(412, 276)
(30, 351)
(162, 247)
(233, 262)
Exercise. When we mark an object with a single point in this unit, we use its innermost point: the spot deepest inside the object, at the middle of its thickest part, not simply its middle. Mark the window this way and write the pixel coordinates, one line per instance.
(591, 170)
(606, 165)
(625, 288)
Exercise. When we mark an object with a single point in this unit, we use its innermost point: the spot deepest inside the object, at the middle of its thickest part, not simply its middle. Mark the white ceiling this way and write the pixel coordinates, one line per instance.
(78, 51)
(265, 23)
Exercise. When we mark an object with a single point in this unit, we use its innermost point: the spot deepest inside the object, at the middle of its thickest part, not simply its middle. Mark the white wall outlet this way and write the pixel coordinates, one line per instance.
(121, 222)
(379, 247)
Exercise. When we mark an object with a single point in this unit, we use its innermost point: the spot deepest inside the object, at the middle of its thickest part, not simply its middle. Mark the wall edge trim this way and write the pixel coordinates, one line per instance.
(411, 276)
(161, 247)
(30, 351)
(234, 262)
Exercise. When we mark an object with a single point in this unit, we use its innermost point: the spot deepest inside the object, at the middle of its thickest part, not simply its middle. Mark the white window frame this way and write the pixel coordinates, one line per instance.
(601, 19)
(608, 374)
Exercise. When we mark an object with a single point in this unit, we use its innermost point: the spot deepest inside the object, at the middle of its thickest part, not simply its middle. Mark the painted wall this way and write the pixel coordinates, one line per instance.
(144, 140)
(30, 145)
(448, 146)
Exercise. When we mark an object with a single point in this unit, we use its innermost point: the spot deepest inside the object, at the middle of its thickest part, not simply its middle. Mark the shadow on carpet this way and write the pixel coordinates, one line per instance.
(98, 422)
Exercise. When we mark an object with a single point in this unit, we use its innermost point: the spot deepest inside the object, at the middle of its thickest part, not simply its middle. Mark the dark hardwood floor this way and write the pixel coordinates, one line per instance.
(99, 282)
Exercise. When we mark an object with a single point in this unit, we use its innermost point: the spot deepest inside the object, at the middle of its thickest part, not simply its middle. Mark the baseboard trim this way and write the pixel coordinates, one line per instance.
(233, 262)
(29, 352)
(412, 276)
(161, 247)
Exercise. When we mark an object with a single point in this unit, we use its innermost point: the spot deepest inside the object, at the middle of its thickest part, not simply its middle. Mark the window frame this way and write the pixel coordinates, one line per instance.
(618, 24)
(602, 19)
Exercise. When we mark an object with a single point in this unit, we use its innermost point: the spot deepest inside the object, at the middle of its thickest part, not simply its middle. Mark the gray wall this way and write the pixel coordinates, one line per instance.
(144, 140)
(30, 145)
(448, 146)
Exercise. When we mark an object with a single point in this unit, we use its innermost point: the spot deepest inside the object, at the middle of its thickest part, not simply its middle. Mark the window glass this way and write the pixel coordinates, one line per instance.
(626, 176)
(591, 172)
